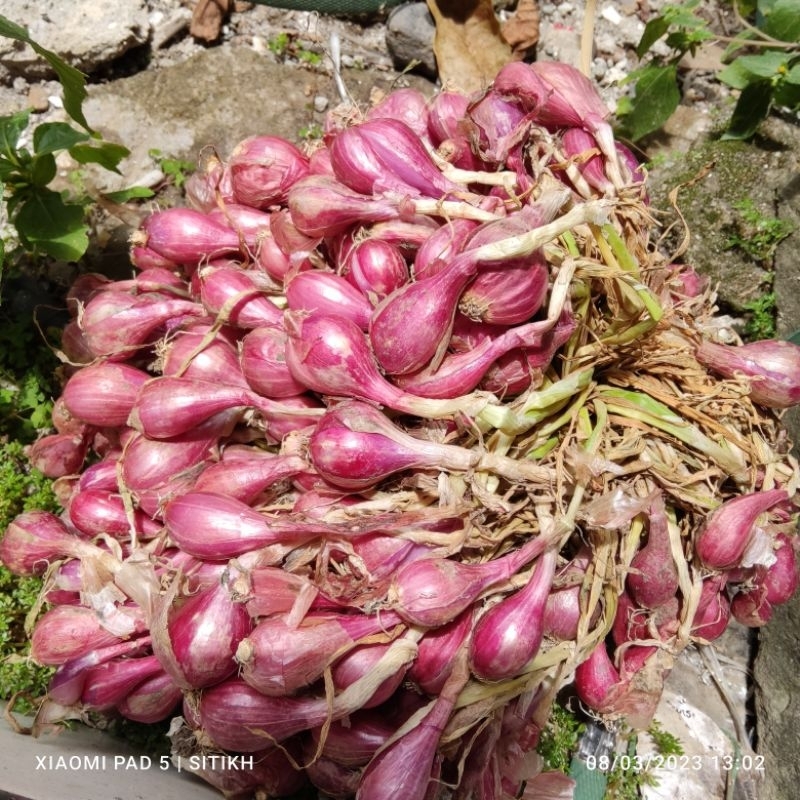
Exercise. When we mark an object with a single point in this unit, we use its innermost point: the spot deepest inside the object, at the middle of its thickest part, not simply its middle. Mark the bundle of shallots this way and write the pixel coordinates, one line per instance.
(385, 444)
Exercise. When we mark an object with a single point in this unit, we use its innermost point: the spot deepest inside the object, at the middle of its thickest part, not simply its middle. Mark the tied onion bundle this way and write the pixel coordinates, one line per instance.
(388, 443)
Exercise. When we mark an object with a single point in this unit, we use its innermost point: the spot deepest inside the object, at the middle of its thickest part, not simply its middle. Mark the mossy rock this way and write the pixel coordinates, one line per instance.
(720, 185)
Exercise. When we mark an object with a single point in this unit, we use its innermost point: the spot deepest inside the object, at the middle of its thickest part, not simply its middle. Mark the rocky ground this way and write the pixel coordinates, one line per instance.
(155, 87)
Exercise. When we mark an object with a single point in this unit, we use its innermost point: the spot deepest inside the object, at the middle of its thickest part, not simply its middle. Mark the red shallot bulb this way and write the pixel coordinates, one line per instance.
(321, 292)
(653, 576)
(355, 446)
(279, 659)
(597, 679)
(432, 591)
(713, 610)
(96, 511)
(195, 637)
(508, 635)
(772, 367)
(236, 296)
(581, 147)
(729, 527)
(407, 105)
(782, 577)
(402, 769)
(109, 683)
(262, 357)
(426, 305)
(330, 355)
(64, 632)
(186, 236)
(461, 372)
(152, 700)
(263, 169)
(193, 354)
(321, 206)
(35, 538)
(58, 454)
(115, 324)
(104, 393)
(376, 267)
(246, 475)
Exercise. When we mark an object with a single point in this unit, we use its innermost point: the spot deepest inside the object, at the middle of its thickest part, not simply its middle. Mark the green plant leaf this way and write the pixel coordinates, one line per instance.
(50, 137)
(782, 20)
(72, 80)
(653, 31)
(107, 154)
(132, 193)
(786, 94)
(769, 64)
(43, 169)
(735, 75)
(751, 110)
(656, 97)
(793, 75)
(45, 222)
(11, 129)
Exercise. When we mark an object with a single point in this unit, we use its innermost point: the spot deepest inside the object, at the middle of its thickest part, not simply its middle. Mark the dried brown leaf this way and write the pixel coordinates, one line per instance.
(521, 30)
(207, 19)
(469, 48)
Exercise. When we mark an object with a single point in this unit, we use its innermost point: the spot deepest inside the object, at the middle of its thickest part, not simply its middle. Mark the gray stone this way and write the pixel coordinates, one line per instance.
(217, 98)
(85, 33)
(410, 31)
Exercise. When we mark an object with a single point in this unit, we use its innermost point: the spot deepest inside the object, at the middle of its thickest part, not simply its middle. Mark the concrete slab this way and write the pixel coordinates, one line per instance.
(87, 764)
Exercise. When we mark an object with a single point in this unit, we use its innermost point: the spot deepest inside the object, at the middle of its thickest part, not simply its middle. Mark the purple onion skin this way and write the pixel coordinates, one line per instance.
(510, 633)
(653, 579)
(772, 365)
(103, 394)
(240, 718)
(426, 305)
(402, 770)
(151, 701)
(204, 631)
(724, 537)
(437, 650)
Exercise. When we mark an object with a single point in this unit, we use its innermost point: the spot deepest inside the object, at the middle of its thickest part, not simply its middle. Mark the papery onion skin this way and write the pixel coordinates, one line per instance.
(279, 659)
(66, 632)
